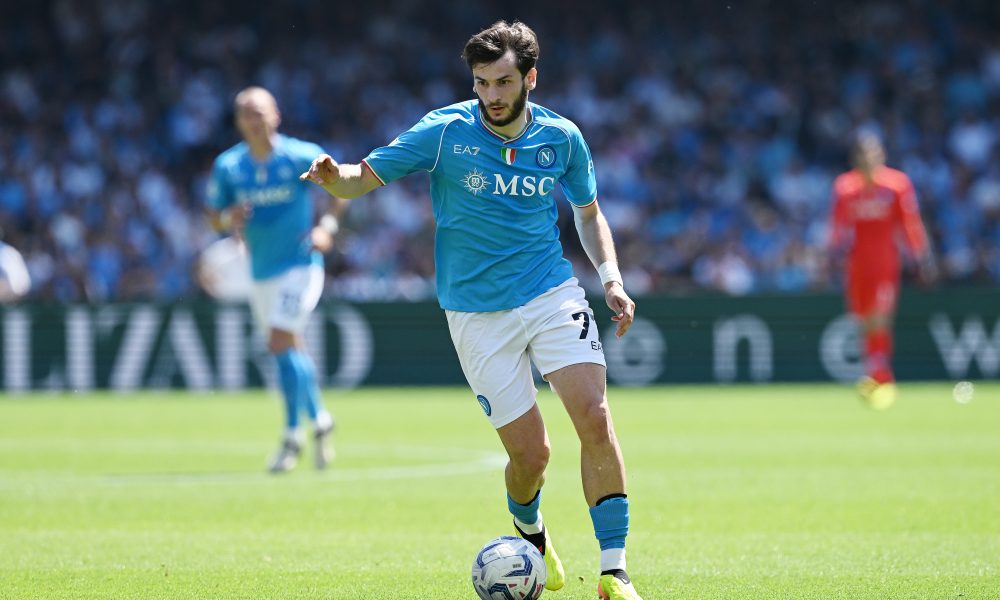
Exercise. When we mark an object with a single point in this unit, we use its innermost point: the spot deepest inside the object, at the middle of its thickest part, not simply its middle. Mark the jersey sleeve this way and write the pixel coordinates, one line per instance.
(218, 193)
(579, 183)
(909, 218)
(416, 149)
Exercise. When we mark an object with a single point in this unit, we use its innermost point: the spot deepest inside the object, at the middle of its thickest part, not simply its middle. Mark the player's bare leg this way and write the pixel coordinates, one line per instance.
(527, 445)
(582, 390)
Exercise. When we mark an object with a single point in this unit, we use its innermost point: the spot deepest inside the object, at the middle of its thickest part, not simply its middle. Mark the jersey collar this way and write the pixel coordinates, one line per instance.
(503, 140)
(276, 148)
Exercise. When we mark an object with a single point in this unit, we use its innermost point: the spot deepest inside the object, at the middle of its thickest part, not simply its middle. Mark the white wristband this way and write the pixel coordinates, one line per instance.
(329, 223)
(609, 272)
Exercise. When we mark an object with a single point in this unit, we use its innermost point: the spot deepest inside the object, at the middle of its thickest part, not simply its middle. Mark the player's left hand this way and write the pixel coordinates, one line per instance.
(927, 270)
(621, 304)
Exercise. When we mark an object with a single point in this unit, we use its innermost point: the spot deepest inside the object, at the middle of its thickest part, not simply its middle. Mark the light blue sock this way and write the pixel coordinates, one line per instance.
(610, 518)
(307, 381)
(288, 377)
(525, 513)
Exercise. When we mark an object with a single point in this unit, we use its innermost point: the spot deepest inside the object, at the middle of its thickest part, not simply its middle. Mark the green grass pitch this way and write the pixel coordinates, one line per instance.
(784, 491)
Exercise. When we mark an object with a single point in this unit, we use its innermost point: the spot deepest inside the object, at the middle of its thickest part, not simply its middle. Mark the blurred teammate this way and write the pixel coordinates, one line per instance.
(508, 293)
(254, 192)
(15, 281)
(872, 205)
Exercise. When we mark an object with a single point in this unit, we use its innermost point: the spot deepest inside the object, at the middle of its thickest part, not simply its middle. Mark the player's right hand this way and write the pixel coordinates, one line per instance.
(323, 171)
(623, 306)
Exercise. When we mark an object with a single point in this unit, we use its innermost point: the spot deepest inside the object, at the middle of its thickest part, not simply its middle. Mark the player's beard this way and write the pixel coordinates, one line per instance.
(515, 110)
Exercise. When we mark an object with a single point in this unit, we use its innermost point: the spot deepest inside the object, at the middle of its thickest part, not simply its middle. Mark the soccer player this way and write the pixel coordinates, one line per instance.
(872, 205)
(254, 192)
(508, 293)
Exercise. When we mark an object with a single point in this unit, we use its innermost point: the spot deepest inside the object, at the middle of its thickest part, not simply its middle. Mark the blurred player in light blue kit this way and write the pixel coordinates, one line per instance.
(509, 295)
(255, 192)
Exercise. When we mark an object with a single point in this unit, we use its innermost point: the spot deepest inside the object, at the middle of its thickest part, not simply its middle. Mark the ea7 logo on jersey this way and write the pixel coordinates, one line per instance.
(528, 185)
(460, 149)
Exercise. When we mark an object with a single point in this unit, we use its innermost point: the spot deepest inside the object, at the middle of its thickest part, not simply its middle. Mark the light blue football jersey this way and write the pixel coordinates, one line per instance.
(497, 243)
(277, 233)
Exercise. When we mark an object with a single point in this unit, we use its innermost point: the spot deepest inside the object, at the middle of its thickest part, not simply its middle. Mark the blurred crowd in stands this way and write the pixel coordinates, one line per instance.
(716, 130)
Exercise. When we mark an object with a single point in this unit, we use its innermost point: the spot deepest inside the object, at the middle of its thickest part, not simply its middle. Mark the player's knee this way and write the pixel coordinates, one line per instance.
(595, 425)
(532, 460)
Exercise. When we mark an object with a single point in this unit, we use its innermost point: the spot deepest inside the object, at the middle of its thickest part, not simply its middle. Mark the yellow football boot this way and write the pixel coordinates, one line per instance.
(883, 397)
(865, 386)
(610, 587)
(556, 573)
(880, 396)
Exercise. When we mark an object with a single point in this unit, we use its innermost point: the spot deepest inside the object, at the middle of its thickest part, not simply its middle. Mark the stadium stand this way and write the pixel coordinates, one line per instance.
(715, 136)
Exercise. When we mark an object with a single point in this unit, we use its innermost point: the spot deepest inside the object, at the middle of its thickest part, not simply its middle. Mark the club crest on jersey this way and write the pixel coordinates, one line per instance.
(546, 156)
(475, 181)
(508, 154)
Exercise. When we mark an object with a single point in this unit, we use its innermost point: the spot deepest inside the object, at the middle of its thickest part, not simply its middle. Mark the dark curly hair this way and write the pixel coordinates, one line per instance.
(490, 44)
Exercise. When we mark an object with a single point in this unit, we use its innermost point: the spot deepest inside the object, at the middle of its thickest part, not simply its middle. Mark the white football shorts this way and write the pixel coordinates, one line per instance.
(285, 301)
(554, 330)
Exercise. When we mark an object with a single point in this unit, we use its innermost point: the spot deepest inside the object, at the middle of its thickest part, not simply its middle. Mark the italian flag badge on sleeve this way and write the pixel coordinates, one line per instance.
(508, 155)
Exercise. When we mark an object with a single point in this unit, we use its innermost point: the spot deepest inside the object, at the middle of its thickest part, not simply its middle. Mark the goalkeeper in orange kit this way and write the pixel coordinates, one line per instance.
(873, 207)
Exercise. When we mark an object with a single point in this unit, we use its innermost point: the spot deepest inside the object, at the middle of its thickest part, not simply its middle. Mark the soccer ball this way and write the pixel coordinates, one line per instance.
(509, 568)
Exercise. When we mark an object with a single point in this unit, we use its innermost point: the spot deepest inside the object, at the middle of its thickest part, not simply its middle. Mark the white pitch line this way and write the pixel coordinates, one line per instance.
(13, 480)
